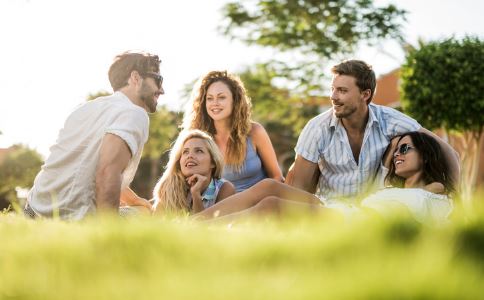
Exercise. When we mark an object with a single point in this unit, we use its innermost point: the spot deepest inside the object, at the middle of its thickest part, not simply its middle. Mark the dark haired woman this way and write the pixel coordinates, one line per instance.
(418, 179)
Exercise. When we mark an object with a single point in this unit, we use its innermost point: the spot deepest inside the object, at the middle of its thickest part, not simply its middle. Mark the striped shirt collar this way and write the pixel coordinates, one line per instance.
(334, 121)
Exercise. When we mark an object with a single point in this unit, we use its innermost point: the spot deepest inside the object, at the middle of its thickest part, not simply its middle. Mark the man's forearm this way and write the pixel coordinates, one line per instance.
(114, 157)
(108, 191)
(309, 186)
(304, 175)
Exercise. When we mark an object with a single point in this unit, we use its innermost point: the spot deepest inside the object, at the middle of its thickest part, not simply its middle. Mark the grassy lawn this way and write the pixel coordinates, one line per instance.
(297, 258)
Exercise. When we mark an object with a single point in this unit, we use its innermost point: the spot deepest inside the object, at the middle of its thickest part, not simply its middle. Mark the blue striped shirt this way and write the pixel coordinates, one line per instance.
(324, 141)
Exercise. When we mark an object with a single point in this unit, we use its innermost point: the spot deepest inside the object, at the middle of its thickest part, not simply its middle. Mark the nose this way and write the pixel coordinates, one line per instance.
(333, 96)
(162, 90)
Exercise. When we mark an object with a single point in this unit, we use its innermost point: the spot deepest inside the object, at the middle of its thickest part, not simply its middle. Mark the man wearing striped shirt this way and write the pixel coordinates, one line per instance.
(341, 149)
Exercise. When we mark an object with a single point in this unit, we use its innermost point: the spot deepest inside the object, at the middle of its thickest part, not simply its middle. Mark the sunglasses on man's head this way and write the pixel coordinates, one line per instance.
(403, 149)
(157, 77)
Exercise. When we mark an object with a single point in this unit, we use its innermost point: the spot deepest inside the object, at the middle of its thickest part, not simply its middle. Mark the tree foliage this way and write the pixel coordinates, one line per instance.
(310, 33)
(18, 169)
(282, 111)
(321, 27)
(98, 94)
(442, 86)
(163, 132)
(275, 104)
(164, 129)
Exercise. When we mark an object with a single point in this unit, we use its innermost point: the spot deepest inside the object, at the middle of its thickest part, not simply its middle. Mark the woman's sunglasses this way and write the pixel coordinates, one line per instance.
(403, 149)
(157, 77)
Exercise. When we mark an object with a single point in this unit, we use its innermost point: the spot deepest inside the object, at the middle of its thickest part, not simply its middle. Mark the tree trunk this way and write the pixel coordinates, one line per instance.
(472, 144)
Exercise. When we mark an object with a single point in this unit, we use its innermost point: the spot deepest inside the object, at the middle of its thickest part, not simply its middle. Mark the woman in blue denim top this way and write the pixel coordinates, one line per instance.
(221, 107)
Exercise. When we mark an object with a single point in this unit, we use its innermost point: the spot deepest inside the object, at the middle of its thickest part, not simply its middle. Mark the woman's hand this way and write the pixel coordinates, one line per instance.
(198, 183)
(129, 198)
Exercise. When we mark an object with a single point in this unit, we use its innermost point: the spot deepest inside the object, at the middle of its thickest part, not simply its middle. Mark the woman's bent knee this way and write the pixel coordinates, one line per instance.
(269, 184)
(269, 204)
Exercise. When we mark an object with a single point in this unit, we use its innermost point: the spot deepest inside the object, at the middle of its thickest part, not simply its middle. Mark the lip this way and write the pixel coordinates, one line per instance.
(190, 164)
(398, 162)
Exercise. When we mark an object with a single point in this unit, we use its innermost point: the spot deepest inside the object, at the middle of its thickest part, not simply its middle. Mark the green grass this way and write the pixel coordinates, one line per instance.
(299, 258)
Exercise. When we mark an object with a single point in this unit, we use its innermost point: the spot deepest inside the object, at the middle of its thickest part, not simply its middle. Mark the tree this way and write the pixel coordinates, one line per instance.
(317, 30)
(17, 170)
(163, 132)
(98, 94)
(443, 87)
(323, 27)
(282, 111)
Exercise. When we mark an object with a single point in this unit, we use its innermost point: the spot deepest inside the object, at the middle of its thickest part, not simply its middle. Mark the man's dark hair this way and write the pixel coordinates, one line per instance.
(127, 62)
(361, 71)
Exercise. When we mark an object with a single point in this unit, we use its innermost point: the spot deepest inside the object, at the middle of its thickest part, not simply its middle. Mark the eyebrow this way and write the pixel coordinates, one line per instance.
(339, 86)
(221, 93)
(196, 148)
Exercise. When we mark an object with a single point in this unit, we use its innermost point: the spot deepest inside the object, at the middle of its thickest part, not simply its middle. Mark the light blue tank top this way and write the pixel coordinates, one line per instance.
(250, 173)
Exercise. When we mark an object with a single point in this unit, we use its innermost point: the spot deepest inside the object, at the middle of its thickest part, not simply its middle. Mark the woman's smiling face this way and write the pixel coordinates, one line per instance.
(219, 101)
(407, 159)
(195, 158)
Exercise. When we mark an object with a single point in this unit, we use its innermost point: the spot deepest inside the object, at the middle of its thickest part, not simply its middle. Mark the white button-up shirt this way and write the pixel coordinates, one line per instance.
(324, 141)
(66, 183)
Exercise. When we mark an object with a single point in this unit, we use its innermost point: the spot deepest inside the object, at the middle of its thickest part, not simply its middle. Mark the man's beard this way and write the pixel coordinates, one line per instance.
(148, 97)
(348, 111)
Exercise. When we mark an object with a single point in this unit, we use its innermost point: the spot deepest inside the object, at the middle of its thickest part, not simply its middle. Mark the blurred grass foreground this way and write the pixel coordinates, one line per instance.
(297, 258)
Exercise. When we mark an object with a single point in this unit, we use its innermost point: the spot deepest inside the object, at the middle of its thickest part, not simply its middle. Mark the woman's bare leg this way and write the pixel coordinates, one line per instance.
(273, 206)
(253, 195)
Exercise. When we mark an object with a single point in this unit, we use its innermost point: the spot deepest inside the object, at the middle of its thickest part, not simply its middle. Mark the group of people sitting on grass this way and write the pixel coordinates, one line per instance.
(356, 156)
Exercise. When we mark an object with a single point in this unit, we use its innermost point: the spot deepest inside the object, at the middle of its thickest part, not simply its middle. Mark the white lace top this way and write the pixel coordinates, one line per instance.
(421, 204)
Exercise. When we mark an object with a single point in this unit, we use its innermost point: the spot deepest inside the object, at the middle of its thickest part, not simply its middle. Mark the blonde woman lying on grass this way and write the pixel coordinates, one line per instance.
(192, 179)
(418, 177)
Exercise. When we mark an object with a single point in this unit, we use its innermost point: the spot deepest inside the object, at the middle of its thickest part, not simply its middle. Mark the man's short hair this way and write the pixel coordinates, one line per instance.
(129, 61)
(361, 71)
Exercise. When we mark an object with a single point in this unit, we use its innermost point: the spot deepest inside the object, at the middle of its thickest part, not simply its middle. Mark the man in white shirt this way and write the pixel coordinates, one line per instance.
(341, 149)
(96, 154)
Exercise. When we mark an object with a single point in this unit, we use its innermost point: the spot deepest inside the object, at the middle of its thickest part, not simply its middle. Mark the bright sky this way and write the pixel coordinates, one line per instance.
(54, 53)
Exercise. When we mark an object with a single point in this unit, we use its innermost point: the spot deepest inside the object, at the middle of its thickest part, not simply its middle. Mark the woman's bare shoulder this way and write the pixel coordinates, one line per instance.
(435, 187)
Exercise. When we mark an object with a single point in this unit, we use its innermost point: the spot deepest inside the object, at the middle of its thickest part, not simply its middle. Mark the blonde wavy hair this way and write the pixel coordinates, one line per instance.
(196, 116)
(171, 190)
